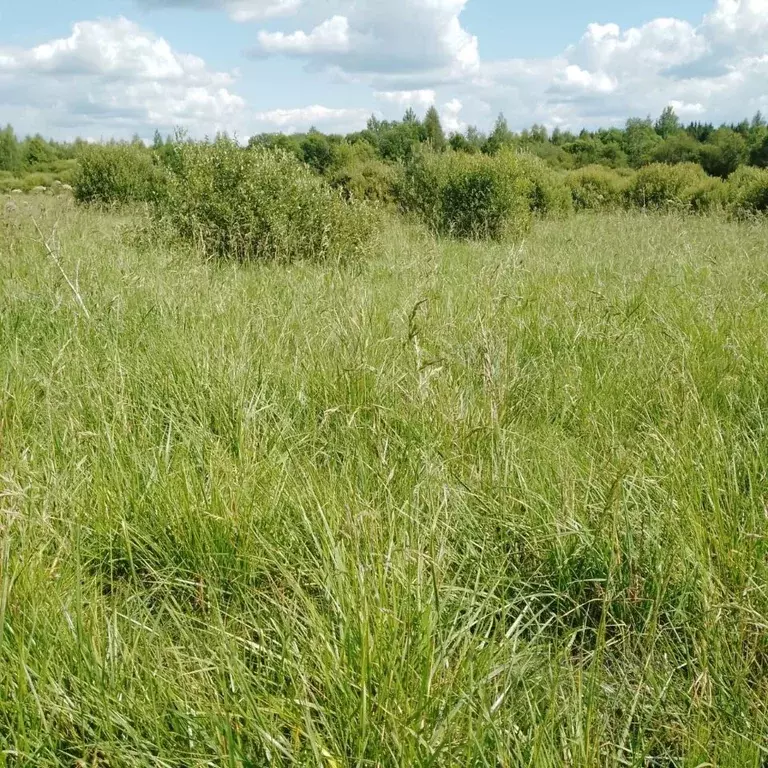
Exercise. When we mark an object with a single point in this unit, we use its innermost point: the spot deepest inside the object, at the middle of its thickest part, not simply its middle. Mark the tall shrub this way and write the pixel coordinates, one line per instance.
(748, 192)
(467, 196)
(117, 174)
(548, 194)
(596, 188)
(666, 187)
(261, 203)
(359, 173)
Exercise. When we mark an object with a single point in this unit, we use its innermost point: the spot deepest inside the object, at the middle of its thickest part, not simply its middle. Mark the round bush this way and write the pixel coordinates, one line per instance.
(467, 196)
(261, 203)
(666, 187)
(596, 188)
(748, 192)
(361, 175)
(710, 195)
(117, 174)
(548, 193)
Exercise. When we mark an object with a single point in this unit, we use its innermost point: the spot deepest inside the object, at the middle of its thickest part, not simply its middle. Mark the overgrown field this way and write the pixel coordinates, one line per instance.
(459, 504)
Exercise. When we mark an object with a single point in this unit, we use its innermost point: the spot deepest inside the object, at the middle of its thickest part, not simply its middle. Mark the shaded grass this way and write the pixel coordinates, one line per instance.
(462, 505)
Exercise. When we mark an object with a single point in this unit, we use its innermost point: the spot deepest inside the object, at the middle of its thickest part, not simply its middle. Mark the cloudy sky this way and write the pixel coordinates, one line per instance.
(100, 68)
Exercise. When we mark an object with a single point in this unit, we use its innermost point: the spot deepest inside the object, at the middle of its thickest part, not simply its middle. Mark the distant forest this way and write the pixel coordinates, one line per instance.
(720, 150)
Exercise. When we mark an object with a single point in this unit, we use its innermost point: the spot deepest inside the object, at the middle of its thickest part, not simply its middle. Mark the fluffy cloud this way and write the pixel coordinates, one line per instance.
(239, 10)
(421, 99)
(330, 37)
(742, 24)
(654, 47)
(329, 119)
(112, 76)
(414, 51)
(449, 115)
(715, 70)
(385, 42)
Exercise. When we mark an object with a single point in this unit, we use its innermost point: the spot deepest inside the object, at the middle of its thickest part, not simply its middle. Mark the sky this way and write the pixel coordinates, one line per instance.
(115, 68)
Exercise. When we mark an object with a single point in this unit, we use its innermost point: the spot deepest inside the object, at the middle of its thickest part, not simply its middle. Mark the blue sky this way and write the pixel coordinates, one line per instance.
(114, 68)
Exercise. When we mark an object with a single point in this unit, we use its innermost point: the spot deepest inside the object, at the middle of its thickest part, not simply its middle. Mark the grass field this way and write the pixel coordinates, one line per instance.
(461, 505)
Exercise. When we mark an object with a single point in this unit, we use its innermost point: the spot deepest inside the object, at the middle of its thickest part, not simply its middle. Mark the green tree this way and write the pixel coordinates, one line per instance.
(316, 151)
(590, 150)
(679, 148)
(725, 151)
(700, 131)
(538, 134)
(290, 144)
(668, 123)
(500, 137)
(758, 141)
(10, 156)
(35, 150)
(585, 150)
(475, 138)
(434, 129)
(742, 128)
(560, 137)
(759, 154)
(459, 143)
(640, 139)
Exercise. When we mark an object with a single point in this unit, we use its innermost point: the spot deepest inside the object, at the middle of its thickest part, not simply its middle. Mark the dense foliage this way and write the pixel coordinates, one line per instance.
(720, 150)
(596, 188)
(261, 204)
(117, 174)
(468, 196)
(748, 191)
(249, 201)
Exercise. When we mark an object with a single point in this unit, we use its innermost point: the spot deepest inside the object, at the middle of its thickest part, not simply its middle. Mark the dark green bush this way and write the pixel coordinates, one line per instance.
(117, 174)
(748, 192)
(467, 196)
(724, 152)
(666, 187)
(596, 188)
(261, 203)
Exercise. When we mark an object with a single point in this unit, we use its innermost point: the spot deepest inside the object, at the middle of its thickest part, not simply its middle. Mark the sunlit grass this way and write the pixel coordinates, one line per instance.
(462, 505)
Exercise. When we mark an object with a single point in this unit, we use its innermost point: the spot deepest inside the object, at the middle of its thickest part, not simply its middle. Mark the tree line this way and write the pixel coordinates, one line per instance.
(720, 150)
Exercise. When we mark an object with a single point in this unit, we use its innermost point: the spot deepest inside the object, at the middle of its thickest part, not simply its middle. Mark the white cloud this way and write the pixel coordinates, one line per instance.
(392, 40)
(411, 51)
(715, 70)
(332, 36)
(687, 111)
(739, 23)
(302, 118)
(113, 76)
(421, 99)
(239, 10)
(598, 82)
(449, 115)
(657, 45)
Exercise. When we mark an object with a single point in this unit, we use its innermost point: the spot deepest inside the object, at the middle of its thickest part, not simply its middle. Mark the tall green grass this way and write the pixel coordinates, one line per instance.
(463, 504)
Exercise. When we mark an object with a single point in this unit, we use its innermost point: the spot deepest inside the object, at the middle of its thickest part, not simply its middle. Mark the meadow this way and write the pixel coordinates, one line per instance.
(456, 504)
